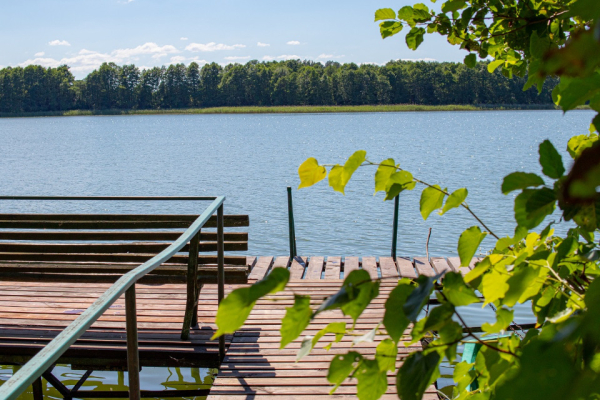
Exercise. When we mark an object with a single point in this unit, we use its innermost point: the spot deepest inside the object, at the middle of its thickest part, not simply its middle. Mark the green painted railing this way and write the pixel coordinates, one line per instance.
(46, 357)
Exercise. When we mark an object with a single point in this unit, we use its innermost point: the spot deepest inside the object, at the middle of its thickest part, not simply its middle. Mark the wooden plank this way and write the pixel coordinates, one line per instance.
(369, 264)
(315, 268)
(82, 236)
(113, 248)
(350, 264)
(423, 267)
(61, 221)
(333, 268)
(454, 262)
(388, 267)
(406, 268)
(297, 267)
(440, 265)
(111, 258)
(260, 268)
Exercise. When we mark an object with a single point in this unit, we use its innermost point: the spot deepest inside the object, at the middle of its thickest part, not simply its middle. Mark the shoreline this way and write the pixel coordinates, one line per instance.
(288, 110)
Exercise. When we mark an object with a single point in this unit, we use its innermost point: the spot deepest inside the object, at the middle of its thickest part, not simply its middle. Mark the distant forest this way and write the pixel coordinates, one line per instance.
(294, 82)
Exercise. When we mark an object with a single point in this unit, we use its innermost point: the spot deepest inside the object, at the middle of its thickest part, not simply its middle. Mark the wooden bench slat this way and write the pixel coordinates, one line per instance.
(423, 266)
(110, 247)
(297, 267)
(388, 267)
(315, 267)
(113, 258)
(369, 264)
(350, 264)
(333, 268)
(115, 236)
(100, 221)
(406, 268)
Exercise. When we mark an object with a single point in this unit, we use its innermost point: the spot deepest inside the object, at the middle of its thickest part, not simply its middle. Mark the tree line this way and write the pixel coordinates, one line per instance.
(292, 82)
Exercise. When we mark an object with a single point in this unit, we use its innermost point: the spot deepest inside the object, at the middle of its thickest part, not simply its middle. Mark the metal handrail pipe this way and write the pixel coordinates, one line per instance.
(46, 357)
(104, 198)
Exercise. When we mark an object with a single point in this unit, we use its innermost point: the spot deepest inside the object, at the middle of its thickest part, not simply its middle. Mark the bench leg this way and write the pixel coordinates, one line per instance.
(195, 314)
(192, 288)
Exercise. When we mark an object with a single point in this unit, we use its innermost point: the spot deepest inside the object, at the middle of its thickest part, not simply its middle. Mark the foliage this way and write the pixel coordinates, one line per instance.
(560, 357)
(35, 89)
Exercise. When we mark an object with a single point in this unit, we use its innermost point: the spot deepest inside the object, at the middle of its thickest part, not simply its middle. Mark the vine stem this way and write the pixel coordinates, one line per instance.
(463, 204)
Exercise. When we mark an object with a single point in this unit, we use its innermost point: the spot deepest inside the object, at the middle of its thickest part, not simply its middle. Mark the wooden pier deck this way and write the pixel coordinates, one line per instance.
(32, 313)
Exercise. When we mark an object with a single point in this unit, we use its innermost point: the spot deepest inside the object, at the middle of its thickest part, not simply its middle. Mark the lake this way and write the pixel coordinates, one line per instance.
(251, 159)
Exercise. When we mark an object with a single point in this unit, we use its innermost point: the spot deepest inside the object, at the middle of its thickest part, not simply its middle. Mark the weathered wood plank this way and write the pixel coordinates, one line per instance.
(82, 236)
(350, 264)
(423, 266)
(260, 268)
(388, 267)
(297, 267)
(315, 268)
(440, 265)
(406, 268)
(369, 264)
(110, 221)
(333, 268)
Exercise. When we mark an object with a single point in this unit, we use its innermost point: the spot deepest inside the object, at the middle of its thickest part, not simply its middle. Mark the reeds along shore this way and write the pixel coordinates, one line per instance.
(289, 109)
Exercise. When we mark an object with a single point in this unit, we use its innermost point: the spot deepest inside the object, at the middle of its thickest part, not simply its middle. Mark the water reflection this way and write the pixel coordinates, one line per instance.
(152, 378)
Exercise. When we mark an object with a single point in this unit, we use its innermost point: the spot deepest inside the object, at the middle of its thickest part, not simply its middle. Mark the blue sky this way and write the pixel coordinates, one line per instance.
(85, 33)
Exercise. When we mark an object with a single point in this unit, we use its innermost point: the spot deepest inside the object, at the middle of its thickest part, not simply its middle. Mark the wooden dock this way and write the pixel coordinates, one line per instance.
(32, 313)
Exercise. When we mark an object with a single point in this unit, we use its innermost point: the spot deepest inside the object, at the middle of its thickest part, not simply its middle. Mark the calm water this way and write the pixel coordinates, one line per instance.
(251, 159)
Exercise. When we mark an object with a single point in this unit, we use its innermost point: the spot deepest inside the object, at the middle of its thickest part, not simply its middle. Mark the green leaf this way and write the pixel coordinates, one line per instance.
(468, 243)
(390, 28)
(579, 143)
(414, 38)
(405, 13)
(494, 286)
(546, 372)
(372, 383)
(455, 199)
(384, 13)
(354, 296)
(235, 308)
(310, 172)
(457, 292)
(383, 174)
(352, 164)
(453, 5)
(416, 374)
(335, 178)
(399, 182)
(394, 319)
(341, 366)
(471, 60)
(296, 320)
(432, 198)
(309, 342)
(494, 64)
(586, 9)
(523, 284)
(418, 297)
(533, 205)
(385, 355)
(421, 12)
(551, 161)
(438, 317)
(520, 180)
(503, 319)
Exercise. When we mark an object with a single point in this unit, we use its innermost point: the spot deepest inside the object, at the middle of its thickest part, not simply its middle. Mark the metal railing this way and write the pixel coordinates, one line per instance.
(46, 357)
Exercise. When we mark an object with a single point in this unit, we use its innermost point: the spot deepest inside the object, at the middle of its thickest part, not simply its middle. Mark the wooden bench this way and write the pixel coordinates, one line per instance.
(102, 247)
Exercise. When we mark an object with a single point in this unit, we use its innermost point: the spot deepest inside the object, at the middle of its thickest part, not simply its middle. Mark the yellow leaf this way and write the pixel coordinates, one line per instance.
(310, 172)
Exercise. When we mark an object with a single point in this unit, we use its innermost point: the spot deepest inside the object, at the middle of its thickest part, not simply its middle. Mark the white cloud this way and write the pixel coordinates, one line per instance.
(186, 60)
(329, 56)
(59, 43)
(233, 58)
(293, 42)
(87, 60)
(260, 44)
(212, 46)
(183, 38)
(282, 57)
(146, 48)
(40, 54)
(417, 59)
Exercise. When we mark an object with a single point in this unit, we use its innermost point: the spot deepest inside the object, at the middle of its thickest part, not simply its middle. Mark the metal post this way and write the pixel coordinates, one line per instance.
(221, 272)
(133, 361)
(38, 390)
(395, 228)
(292, 228)
(191, 317)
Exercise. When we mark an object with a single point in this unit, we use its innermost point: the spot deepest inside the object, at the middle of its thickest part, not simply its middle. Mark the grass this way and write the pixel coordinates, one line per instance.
(288, 109)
